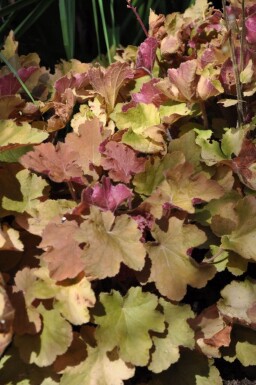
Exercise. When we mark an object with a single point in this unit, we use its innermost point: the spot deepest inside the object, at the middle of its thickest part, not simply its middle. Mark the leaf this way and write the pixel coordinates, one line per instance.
(172, 269)
(166, 348)
(149, 94)
(244, 164)
(182, 188)
(121, 162)
(55, 338)
(172, 111)
(238, 302)
(108, 82)
(250, 24)
(211, 331)
(98, 368)
(63, 254)
(31, 187)
(192, 369)
(146, 182)
(10, 46)
(58, 162)
(246, 347)
(10, 239)
(110, 240)
(232, 141)
(183, 81)
(9, 84)
(243, 346)
(187, 145)
(197, 10)
(146, 54)
(247, 74)
(105, 195)
(210, 149)
(72, 301)
(44, 212)
(151, 142)
(9, 104)
(27, 318)
(133, 316)
(138, 118)
(6, 318)
(86, 145)
(15, 371)
(13, 153)
(228, 102)
(11, 133)
(242, 238)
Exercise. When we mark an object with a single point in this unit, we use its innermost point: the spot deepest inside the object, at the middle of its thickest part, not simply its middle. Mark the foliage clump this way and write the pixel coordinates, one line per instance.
(128, 198)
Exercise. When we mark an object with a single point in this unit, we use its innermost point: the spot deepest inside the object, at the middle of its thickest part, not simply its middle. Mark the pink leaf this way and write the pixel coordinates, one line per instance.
(105, 195)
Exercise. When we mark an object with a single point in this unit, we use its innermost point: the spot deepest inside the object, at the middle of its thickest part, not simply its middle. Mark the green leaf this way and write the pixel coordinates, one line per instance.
(12, 156)
(138, 118)
(133, 316)
(242, 239)
(232, 141)
(147, 145)
(11, 133)
(210, 149)
(98, 368)
(146, 181)
(187, 145)
(31, 187)
(179, 333)
(53, 340)
(72, 301)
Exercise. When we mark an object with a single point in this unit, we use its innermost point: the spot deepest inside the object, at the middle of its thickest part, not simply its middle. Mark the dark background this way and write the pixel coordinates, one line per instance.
(45, 37)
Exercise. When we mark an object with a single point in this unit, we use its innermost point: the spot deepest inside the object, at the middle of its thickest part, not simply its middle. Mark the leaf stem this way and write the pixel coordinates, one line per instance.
(239, 93)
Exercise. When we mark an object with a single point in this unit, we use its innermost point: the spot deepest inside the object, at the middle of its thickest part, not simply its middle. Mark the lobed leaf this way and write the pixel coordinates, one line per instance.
(134, 316)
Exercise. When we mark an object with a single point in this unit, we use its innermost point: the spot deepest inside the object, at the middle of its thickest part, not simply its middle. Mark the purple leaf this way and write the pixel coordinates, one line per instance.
(149, 94)
(9, 84)
(147, 54)
(250, 24)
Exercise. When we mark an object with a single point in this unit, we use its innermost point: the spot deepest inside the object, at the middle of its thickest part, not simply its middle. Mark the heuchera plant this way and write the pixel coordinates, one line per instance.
(128, 209)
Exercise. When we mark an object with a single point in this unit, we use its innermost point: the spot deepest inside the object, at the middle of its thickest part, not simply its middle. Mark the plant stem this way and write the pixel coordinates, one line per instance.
(72, 191)
(204, 115)
(242, 51)
(134, 9)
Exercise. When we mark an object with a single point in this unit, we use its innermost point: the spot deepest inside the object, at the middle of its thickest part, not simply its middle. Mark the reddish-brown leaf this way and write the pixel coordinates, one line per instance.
(59, 162)
(62, 252)
(121, 161)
